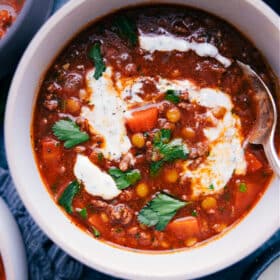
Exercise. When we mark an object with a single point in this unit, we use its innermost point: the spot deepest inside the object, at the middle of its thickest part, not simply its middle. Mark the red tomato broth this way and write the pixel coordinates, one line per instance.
(9, 10)
(2, 271)
(64, 80)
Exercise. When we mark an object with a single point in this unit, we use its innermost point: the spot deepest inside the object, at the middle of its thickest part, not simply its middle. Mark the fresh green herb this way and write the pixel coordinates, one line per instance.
(100, 156)
(242, 187)
(194, 213)
(69, 131)
(168, 151)
(126, 29)
(159, 211)
(68, 195)
(173, 96)
(96, 56)
(83, 213)
(124, 179)
(211, 187)
(95, 231)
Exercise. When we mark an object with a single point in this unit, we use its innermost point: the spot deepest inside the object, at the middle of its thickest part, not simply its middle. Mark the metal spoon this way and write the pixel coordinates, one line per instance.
(265, 125)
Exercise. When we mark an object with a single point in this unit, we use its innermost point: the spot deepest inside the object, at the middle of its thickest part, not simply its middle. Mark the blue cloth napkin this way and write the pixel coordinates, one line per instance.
(47, 261)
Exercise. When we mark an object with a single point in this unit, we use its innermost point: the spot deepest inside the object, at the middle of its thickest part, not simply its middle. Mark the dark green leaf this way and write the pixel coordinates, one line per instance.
(126, 29)
(69, 132)
(155, 167)
(211, 187)
(160, 211)
(168, 151)
(96, 56)
(95, 231)
(194, 213)
(124, 179)
(83, 213)
(173, 96)
(148, 217)
(242, 187)
(68, 195)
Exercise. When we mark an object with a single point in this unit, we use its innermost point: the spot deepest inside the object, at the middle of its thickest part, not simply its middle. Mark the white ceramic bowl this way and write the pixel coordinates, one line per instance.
(258, 22)
(11, 246)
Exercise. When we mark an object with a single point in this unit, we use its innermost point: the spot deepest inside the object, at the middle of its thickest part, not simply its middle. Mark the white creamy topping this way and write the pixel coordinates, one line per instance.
(96, 182)
(107, 116)
(225, 139)
(168, 42)
(226, 157)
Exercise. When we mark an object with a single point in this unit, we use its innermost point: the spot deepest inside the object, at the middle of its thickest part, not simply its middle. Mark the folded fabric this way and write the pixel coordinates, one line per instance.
(46, 261)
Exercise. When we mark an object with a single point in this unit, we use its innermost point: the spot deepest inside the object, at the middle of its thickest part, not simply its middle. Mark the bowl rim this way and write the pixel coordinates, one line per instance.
(12, 248)
(68, 7)
(27, 5)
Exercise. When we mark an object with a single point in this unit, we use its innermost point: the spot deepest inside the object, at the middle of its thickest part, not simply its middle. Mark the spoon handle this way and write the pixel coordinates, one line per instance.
(272, 155)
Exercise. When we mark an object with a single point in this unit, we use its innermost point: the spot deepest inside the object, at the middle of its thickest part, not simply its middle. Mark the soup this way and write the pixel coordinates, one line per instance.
(9, 10)
(140, 127)
(2, 271)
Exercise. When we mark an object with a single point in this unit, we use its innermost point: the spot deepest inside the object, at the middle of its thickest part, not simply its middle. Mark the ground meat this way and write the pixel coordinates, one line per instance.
(99, 204)
(51, 105)
(120, 214)
(144, 238)
(127, 161)
(199, 150)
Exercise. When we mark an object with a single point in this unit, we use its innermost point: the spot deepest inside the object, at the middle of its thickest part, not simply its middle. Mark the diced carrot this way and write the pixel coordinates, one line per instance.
(51, 152)
(142, 120)
(243, 200)
(253, 163)
(184, 227)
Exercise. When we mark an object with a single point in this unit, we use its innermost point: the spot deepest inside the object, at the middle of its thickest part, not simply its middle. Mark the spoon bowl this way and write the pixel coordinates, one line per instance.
(266, 118)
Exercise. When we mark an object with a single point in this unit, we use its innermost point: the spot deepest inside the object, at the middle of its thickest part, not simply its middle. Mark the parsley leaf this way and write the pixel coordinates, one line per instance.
(69, 131)
(83, 213)
(95, 231)
(173, 96)
(242, 187)
(124, 179)
(96, 56)
(211, 187)
(159, 211)
(168, 151)
(68, 195)
(126, 29)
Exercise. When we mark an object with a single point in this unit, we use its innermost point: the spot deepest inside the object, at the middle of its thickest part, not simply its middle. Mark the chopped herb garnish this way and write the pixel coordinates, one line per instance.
(100, 156)
(194, 213)
(83, 213)
(126, 29)
(124, 179)
(242, 187)
(211, 187)
(68, 195)
(95, 231)
(69, 132)
(173, 96)
(168, 151)
(159, 211)
(96, 56)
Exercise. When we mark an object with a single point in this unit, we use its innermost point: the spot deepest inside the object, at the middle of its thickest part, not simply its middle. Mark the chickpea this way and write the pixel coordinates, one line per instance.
(209, 203)
(104, 217)
(190, 241)
(188, 132)
(142, 189)
(73, 105)
(173, 114)
(171, 175)
(138, 140)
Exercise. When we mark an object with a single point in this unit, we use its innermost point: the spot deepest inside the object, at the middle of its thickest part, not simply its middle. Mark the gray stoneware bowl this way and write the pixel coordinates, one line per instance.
(12, 45)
